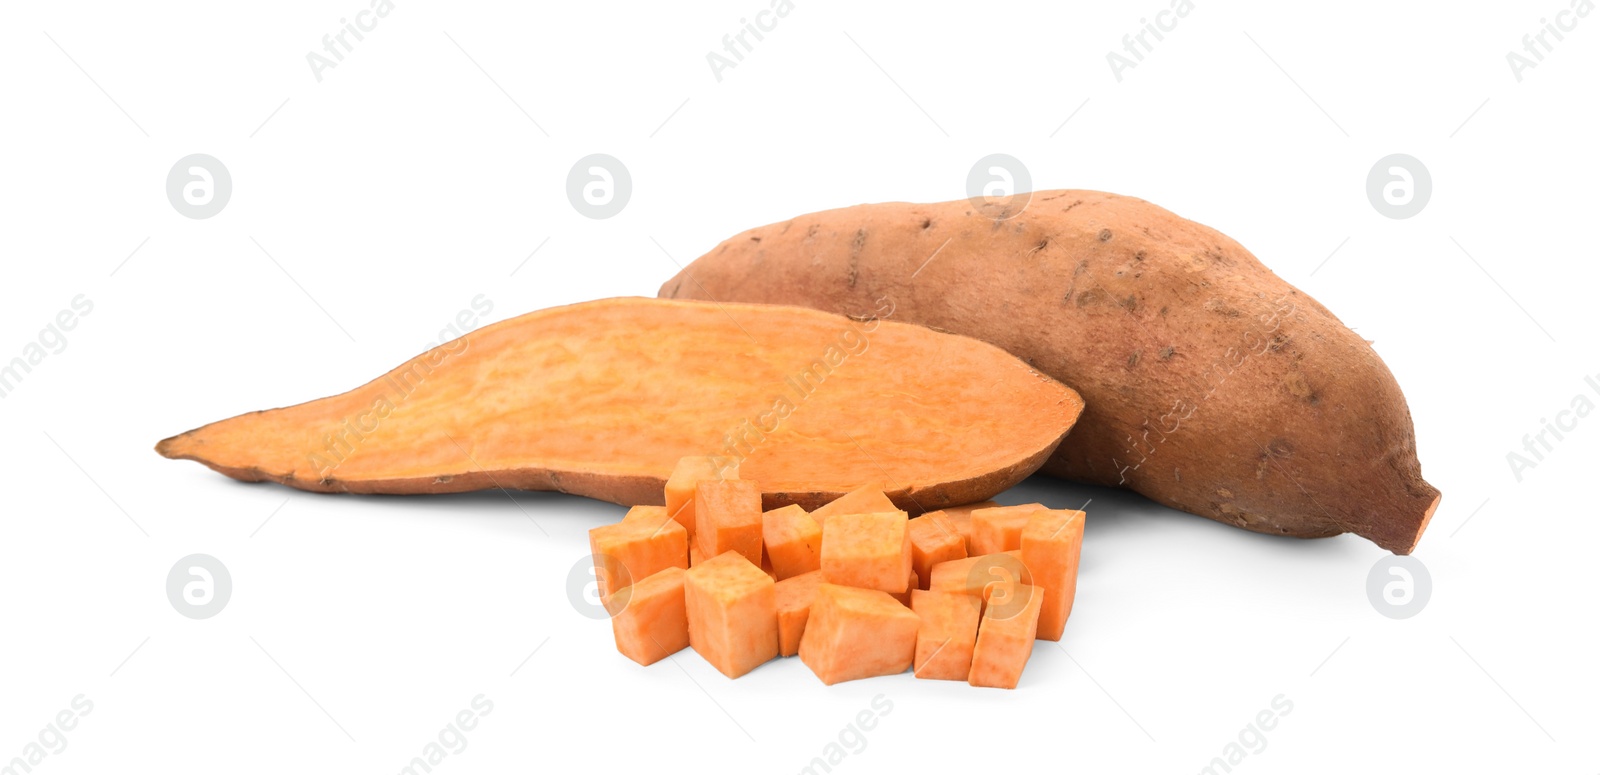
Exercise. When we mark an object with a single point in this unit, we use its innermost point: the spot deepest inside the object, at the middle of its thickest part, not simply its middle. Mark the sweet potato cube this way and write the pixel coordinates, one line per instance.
(1051, 544)
(978, 575)
(793, 541)
(857, 633)
(999, 529)
(870, 551)
(727, 518)
(691, 471)
(695, 557)
(868, 499)
(945, 638)
(733, 613)
(933, 540)
(645, 541)
(904, 598)
(648, 618)
(961, 517)
(1005, 636)
(794, 607)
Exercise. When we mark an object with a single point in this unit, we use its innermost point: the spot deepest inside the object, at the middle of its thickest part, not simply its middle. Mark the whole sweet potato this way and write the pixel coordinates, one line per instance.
(1211, 385)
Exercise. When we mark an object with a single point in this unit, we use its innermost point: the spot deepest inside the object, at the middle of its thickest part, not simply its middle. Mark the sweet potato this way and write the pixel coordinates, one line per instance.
(603, 398)
(1212, 385)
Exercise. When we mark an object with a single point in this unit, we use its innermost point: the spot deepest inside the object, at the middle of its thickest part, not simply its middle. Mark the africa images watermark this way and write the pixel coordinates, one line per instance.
(740, 441)
(452, 739)
(1539, 444)
(852, 738)
(1253, 343)
(1536, 44)
(737, 44)
(339, 443)
(52, 740)
(1136, 44)
(1252, 739)
(337, 44)
(51, 340)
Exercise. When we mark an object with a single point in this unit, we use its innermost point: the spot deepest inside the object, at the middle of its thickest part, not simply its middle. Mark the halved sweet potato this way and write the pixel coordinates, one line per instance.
(603, 398)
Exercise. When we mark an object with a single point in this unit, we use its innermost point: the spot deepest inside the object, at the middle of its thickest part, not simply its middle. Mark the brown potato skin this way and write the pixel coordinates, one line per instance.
(1211, 385)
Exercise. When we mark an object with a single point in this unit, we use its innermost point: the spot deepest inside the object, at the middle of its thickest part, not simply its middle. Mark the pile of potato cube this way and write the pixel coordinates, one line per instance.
(855, 588)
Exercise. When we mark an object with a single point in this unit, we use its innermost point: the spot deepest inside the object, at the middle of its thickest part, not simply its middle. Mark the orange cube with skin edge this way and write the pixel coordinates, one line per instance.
(1005, 636)
(948, 630)
(732, 609)
(904, 598)
(727, 517)
(645, 541)
(933, 540)
(648, 617)
(794, 608)
(870, 551)
(868, 499)
(977, 576)
(793, 541)
(961, 517)
(689, 472)
(857, 633)
(1051, 544)
(999, 529)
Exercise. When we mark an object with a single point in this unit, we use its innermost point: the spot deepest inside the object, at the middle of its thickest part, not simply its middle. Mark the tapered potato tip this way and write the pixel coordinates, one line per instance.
(1402, 534)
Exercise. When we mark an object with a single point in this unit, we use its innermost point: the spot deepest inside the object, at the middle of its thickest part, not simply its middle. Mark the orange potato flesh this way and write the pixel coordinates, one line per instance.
(961, 517)
(793, 541)
(695, 557)
(978, 576)
(649, 620)
(869, 551)
(733, 613)
(857, 633)
(933, 540)
(948, 630)
(727, 515)
(904, 597)
(689, 472)
(1051, 544)
(868, 499)
(794, 608)
(1005, 636)
(645, 541)
(999, 529)
(603, 398)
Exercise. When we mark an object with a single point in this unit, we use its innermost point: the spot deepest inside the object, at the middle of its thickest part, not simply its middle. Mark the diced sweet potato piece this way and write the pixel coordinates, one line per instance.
(1005, 636)
(904, 598)
(857, 633)
(948, 630)
(999, 529)
(689, 472)
(868, 499)
(733, 613)
(695, 557)
(961, 517)
(933, 540)
(645, 541)
(793, 541)
(794, 607)
(648, 618)
(1051, 544)
(870, 551)
(978, 575)
(727, 517)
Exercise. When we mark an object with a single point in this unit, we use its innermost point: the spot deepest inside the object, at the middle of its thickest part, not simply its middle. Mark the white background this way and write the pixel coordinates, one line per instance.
(414, 177)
